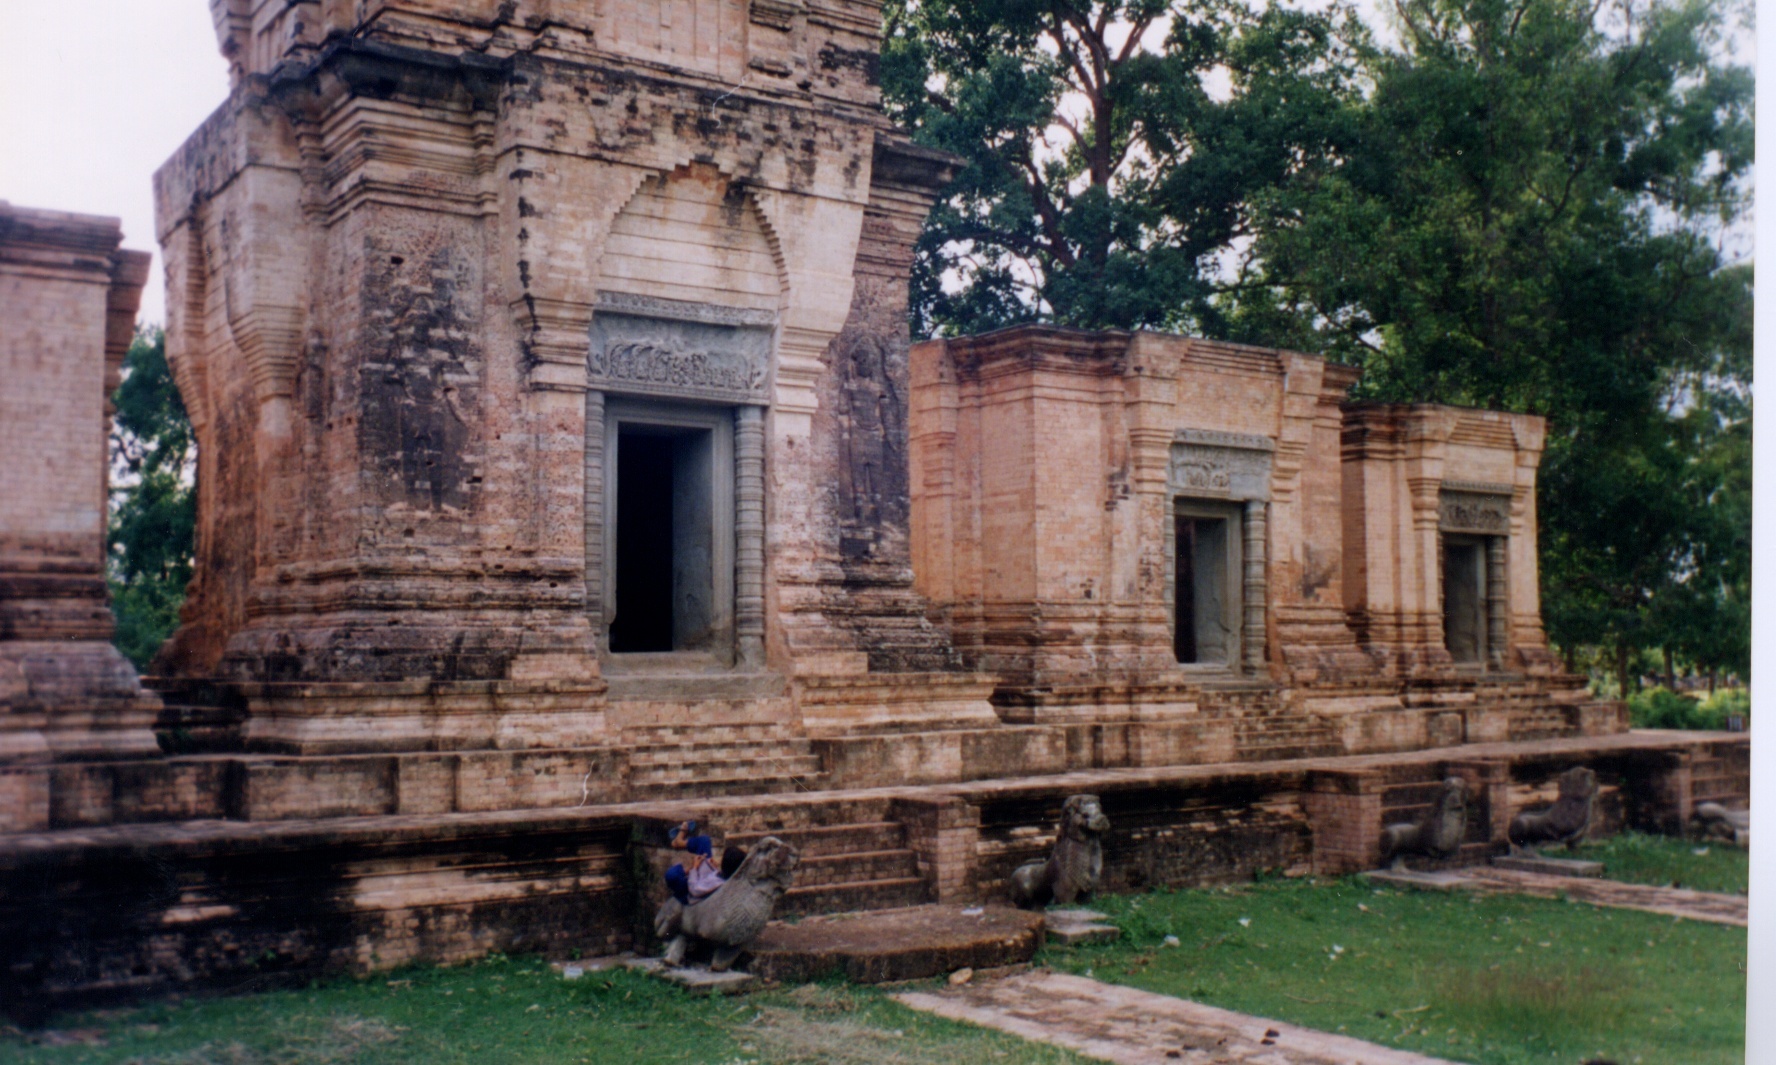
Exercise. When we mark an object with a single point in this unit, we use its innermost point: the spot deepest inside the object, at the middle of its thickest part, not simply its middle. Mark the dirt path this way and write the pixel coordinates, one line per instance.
(1133, 1027)
(1673, 902)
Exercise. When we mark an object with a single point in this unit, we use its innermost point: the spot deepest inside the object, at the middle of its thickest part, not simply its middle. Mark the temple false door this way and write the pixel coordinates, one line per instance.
(1474, 524)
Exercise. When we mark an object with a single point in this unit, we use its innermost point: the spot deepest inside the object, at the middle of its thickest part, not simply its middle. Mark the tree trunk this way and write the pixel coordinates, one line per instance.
(1621, 671)
(1670, 673)
(1713, 677)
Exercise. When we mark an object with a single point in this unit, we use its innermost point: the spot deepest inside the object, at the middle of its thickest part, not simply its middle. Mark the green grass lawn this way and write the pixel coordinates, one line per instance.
(518, 1010)
(1665, 860)
(1500, 980)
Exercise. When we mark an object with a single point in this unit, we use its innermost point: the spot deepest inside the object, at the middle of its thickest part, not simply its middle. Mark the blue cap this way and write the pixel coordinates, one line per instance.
(700, 845)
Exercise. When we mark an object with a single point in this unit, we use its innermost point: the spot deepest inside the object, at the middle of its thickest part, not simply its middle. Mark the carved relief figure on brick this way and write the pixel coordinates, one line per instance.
(1070, 873)
(1438, 833)
(1566, 821)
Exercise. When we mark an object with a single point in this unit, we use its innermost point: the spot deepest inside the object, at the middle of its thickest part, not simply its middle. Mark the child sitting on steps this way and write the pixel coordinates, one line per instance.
(703, 877)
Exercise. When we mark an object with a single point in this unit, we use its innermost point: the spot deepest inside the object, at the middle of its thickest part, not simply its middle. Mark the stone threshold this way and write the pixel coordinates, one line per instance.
(198, 835)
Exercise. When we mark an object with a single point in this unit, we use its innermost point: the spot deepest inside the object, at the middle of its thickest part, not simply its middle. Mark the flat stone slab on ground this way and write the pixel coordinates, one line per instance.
(1531, 863)
(694, 978)
(1673, 902)
(1440, 880)
(1075, 914)
(1070, 927)
(1133, 1027)
(905, 944)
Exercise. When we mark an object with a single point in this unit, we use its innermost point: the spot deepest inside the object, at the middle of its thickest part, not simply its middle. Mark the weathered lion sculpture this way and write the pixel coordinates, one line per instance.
(1716, 821)
(1437, 834)
(1070, 874)
(736, 913)
(1564, 822)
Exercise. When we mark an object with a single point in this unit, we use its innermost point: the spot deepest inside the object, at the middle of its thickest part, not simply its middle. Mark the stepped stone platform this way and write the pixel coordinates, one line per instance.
(114, 911)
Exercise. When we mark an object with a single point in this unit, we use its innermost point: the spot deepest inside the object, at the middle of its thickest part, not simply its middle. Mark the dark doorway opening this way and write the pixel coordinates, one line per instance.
(1184, 593)
(1464, 599)
(1202, 632)
(643, 619)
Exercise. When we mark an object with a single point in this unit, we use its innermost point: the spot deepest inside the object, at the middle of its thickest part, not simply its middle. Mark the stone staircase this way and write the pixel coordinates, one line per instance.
(846, 867)
(751, 759)
(1278, 734)
(194, 718)
(1540, 722)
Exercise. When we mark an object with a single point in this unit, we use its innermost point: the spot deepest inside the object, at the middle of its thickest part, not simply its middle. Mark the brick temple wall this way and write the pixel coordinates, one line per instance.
(68, 295)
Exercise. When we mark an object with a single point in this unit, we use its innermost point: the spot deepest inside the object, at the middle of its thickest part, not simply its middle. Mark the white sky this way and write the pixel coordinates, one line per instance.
(94, 96)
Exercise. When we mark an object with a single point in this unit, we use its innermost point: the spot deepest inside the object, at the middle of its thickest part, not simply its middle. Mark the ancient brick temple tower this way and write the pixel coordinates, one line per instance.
(563, 473)
(548, 362)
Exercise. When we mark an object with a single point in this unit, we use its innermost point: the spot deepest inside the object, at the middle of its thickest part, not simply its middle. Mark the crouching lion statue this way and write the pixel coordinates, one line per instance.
(1070, 874)
(1438, 834)
(736, 913)
(1714, 821)
(1564, 822)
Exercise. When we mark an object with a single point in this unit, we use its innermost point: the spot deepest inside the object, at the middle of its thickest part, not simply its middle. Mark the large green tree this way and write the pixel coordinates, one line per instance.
(1531, 217)
(153, 503)
(1113, 148)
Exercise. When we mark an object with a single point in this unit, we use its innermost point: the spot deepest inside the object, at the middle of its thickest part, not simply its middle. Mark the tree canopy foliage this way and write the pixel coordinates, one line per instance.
(154, 504)
(1520, 204)
(1113, 149)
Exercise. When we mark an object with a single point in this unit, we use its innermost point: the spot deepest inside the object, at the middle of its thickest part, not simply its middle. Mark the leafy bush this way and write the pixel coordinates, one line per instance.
(1664, 708)
(1729, 702)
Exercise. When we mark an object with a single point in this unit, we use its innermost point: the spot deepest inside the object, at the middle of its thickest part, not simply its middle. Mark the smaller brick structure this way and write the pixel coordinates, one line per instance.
(70, 294)
(1205, 545)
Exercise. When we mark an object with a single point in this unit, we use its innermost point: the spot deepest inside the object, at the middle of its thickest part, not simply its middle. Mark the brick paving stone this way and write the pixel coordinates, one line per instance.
(1134, 1027)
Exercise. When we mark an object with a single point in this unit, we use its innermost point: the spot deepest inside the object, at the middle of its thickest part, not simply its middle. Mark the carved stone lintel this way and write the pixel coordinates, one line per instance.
(1221, 465)
(1485, 488)
(1216, 438)
(1474, 512)
(683, 358)
(626, 303)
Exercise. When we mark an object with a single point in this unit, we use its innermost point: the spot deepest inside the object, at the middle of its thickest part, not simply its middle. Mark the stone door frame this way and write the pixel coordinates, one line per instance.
(1479, 512)
(1231, 473)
